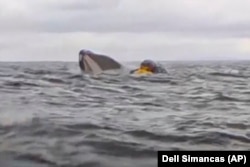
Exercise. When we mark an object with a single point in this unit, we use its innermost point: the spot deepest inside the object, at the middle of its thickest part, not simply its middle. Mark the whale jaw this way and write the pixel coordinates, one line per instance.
(92, 63)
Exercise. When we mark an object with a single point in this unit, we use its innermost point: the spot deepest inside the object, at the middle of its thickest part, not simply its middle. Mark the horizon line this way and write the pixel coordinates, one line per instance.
(65, 61)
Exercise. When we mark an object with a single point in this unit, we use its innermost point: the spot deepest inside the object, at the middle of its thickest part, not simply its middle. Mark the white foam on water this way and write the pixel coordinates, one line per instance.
(11, 117)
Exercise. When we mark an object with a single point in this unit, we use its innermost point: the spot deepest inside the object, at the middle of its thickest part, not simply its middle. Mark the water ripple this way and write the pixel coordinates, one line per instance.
(51, 115)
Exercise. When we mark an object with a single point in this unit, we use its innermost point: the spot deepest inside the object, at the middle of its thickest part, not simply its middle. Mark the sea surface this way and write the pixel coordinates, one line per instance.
(52, 116)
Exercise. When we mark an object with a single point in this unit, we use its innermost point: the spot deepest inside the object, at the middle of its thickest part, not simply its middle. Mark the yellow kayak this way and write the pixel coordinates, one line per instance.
(142, 71)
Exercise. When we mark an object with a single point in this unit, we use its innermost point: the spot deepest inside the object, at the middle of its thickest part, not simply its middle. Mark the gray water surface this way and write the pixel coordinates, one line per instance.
(51, 115)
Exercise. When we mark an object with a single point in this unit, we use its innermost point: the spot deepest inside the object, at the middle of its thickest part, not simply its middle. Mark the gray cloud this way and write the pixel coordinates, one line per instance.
(123, 16)
(86, 5)
(161, 29)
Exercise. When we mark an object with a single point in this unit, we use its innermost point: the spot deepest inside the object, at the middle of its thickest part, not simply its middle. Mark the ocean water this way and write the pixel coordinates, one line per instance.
(51, 115)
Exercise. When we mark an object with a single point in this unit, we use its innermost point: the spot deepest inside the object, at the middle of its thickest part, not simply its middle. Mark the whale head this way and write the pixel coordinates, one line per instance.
(92, 63)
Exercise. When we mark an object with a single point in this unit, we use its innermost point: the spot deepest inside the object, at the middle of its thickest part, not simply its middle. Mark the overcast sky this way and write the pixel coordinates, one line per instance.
(33, 30)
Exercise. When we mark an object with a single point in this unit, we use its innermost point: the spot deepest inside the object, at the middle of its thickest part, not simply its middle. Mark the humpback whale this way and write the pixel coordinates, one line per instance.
(93, 63)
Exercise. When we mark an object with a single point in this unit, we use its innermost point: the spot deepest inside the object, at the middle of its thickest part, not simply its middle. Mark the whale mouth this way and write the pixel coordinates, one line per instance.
(93, 63)
(88, 65)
